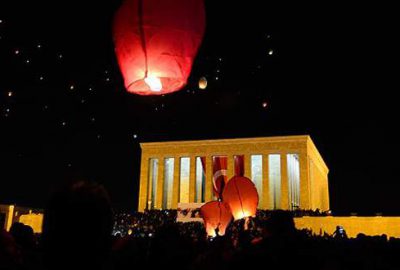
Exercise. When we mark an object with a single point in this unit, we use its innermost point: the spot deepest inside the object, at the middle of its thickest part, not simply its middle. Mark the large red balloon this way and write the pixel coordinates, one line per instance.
(156, 42)
(241, 195)
(216, 215)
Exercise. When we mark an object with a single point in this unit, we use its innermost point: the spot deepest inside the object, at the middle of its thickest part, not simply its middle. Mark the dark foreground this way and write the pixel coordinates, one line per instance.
(78, 226)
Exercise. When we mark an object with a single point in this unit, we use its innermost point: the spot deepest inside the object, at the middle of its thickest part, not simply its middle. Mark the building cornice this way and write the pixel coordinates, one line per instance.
(277, 139)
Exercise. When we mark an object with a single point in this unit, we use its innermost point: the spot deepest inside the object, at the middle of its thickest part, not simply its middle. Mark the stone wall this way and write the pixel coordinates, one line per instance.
(352, 225)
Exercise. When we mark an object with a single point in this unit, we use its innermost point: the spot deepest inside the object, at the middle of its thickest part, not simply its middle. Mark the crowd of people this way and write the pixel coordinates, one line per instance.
(81, 231)
(140, 224)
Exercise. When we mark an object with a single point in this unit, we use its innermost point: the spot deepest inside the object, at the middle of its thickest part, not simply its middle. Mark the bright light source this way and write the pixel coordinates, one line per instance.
(154, 83)
(243, 214)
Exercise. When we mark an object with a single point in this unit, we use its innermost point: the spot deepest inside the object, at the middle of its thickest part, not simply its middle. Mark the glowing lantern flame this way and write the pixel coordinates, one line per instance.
(241, 195)
(154, 83)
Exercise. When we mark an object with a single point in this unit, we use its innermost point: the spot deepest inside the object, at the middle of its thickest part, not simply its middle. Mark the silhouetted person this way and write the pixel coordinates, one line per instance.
(26, 245)
(23, 235)
(340, 233)
(168, 248)
(9, 256)
(77, 228)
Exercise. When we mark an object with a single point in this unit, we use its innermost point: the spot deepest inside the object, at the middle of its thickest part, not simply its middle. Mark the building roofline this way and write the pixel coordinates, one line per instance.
(291, 138)
(228, 141)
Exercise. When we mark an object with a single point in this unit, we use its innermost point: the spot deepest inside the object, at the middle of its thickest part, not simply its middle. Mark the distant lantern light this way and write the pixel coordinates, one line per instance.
(216, 216)
(203, 83)
(241, 195)
(265, 104)
(271, 52)
(16, 52)
(156, 43)
(10, 93)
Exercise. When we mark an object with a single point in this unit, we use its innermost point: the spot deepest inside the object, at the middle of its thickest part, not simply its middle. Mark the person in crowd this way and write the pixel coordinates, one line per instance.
(77, 228)
(339, 233)
(9, 256)
(25, 240)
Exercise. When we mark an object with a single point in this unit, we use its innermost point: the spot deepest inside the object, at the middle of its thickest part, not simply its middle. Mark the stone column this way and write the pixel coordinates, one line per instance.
(266, 204)
(326, 205)
(192, 179)
(160, 183)
(231, 166)
(176, 184)
(143, 184)
(209, 179)
(305, 199)
(247, 165)
(9, 217)
(284, 183)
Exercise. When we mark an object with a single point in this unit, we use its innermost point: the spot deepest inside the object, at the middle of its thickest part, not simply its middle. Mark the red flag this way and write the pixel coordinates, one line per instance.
(220, 166)
(239, 165)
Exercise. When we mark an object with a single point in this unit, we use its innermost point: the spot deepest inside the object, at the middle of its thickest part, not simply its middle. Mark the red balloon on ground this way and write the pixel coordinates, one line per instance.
(241, 195)
(216, 215)
(156, 43)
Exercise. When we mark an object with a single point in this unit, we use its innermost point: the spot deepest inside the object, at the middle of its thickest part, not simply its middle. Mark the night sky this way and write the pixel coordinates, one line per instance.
(323, 70)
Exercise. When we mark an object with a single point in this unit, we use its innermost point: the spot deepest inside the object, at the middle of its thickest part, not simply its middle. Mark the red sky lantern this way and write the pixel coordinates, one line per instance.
(216, 215)
(156, 43)
(241, 195)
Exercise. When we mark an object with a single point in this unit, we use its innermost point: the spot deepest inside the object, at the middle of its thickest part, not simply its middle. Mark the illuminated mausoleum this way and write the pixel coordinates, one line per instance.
(288, 172)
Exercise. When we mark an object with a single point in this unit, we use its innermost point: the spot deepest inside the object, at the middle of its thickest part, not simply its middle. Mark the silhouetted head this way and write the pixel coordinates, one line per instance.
(16, 230)
(23, 235)
(77, 226)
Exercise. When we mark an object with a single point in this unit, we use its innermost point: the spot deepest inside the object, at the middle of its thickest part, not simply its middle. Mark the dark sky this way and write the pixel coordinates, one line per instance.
(332, 74)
